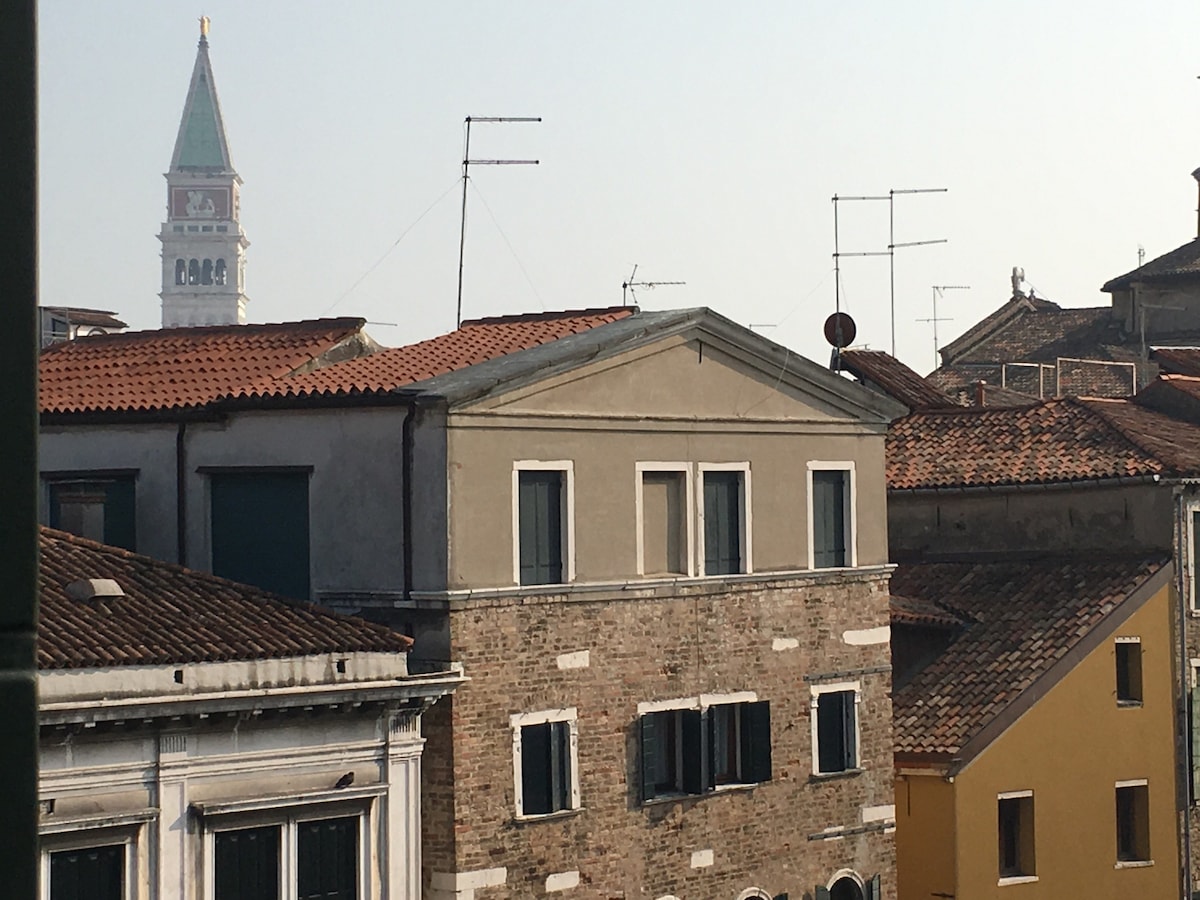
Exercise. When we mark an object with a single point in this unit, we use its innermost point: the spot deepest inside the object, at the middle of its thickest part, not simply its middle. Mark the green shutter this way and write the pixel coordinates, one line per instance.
(259, 526)
(120, 514)
(722, 523)
(875, 888)
(539, 517)
(1194, 717)
(247, 864)
(649, 738)
(756, 741)
(560, 766)
(829, 518)
(327, 859)
(535, 763)
(821, 893)
(695, 769)
(849, 730)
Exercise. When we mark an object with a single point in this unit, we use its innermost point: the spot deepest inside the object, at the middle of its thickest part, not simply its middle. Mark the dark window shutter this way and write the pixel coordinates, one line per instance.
(539, 516)
(695, 769)
(648, 725)
(247, 864)
(1196, 560)
(821, 893)
(260, 530)
(560, 766)
(756, 741)
(95, 873)
(1194, 722)
(327, 859)
(832, 750)
(829, 518)
(722, 523)
(708, 726)
(875, 888)
(120, 514)
(849, 731)
(535, 777)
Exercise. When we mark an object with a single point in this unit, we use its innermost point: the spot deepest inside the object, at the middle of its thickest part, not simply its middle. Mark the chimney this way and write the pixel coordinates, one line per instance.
(1196, 175)
(1018, 275)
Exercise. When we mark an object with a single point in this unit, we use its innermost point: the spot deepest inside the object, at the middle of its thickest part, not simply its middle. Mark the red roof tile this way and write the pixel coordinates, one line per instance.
(1177, 360)
(170, 614)
(1024, 616)
(895, 379)
(1049, 441)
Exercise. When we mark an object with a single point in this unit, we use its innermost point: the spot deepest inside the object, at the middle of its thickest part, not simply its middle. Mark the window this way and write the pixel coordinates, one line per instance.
(835, 728)
(1195, 553)
(259, 529)
(699, 747)
(1133, 821)
(664, 514)
(219, 268)
(321, 855)
(542, 522)
(1016, 835)
(725, 518)
(100, 508)
(180, 268)
(206, 270)
(1129, 671)
(831, 515)
(90, 873)
(545, 762)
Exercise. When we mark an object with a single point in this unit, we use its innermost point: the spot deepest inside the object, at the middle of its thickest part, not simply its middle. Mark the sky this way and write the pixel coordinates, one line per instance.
(700, 141)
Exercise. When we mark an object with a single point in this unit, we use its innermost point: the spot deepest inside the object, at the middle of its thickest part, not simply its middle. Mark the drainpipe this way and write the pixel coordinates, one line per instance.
(406, 501)
(181, 494)
(1184, 683)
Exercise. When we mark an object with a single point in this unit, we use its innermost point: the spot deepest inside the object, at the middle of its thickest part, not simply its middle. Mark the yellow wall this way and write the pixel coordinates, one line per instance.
(1070, 749)
(924, 836)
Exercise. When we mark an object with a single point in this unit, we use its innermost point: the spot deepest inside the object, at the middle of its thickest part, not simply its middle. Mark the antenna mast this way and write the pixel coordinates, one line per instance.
(467, 163)
(627, 287)
(938, 289)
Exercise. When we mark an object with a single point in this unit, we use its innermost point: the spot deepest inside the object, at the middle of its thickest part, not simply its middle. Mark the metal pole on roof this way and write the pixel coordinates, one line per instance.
(937, 291)
(18, 449)
(892, 245)
(466, 165)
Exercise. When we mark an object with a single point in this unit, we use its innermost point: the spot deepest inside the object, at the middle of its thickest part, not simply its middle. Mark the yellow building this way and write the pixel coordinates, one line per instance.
(1034, 729)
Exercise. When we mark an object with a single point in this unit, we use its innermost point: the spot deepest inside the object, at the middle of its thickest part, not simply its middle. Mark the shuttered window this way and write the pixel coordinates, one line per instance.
(100, 510)
(836, 732)
(686, 751)
(545, 768)
(829, 513)
(1194, 743)
(1195, 560)
(246, 865)
(259, 526)
(723, 523)
(94, 873)
(1133, 823)
(327, 859)
(540, 518)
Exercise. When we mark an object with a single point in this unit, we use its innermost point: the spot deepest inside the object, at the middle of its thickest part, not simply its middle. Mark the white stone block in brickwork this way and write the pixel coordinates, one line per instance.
(702, 859)
(878, 813)
(468, 881)
(580, 659)
(562, 881)
(785, 644)
(863, 636)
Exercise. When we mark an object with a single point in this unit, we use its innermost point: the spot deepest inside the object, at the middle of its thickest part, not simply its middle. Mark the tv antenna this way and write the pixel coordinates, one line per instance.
(890, 252)
(627, 287)
(467, 163)
(938, 290)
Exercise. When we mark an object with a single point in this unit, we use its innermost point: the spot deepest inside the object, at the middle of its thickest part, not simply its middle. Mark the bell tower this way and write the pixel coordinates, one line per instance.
(203, 246)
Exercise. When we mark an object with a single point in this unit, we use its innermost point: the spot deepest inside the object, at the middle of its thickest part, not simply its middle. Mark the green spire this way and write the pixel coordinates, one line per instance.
(201, 144)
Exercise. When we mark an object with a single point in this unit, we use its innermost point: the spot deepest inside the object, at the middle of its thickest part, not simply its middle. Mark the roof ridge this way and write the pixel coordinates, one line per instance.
(1092, 405)
(549, 315)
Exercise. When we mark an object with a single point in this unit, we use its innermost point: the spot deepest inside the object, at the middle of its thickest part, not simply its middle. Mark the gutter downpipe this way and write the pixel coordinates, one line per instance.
(407, 441)
(181, 494)
(1183, 743)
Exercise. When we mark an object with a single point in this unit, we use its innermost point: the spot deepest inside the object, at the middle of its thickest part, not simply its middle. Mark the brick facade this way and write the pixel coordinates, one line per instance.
(775, 636)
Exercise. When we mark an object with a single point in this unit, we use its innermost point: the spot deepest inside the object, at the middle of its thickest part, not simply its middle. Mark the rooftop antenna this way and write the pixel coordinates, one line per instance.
(627, 287)
(467, 163)
(1141, 255)
(938, 290)
(890, 252)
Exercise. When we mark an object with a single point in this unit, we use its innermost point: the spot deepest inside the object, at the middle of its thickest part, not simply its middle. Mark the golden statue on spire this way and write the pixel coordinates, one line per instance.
(204, 23)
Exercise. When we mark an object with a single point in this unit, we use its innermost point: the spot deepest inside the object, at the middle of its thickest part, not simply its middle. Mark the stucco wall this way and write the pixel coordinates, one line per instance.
(924, 837)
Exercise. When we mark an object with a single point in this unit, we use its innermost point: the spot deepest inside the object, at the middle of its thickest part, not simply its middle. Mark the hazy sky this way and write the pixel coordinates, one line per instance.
(701, 141)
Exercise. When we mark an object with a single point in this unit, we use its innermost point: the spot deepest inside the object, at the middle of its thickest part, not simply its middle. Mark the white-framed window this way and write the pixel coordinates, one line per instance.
(725, 518)
(1133, 821)
(1128, 652)
(1192, 552)
(98, 865)
(303, 852)
(543, 520)
(666, 543)
(545, 762)
(698, 744)
(1017, 844)
(832, 523)
(835, 730)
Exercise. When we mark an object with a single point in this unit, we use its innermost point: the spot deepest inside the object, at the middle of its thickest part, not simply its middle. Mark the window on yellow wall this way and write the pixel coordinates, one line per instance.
(1133, 821)
(1016, 832)
(1129, 671)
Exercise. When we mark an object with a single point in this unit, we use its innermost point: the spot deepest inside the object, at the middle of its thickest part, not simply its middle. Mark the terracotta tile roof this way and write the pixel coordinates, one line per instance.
(907, 610)
(894, 378)
(1050, 441)
(1180, 263)
(475, 341)
(1177, 360)
(184, 368)
(180, 368)
(992, 322)
(985, 394)
(174, 615)
(1024, 616)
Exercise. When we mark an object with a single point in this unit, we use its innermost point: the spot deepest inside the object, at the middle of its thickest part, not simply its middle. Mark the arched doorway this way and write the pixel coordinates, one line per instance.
(846, 888)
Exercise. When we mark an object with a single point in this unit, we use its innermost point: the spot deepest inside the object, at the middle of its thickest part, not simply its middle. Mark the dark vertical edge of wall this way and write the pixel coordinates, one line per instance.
(18, 448)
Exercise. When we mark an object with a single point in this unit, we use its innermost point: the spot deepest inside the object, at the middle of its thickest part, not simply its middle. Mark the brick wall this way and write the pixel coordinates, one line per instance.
(773, 637)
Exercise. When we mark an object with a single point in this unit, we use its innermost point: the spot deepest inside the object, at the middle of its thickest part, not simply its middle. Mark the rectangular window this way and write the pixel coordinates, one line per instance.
(836, 724)
(92, 873)
(100, 509)
(321, 854)
(1193, 715)
(1133, 822)
(691, 751)
(327, 859)
(664, 518)
(1016, 835)
(545, 762)
(831, 493)
(259, 529)
(246, 864)
(1195, 568)
(540, 526)
(724, 490)
(1129, 671)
